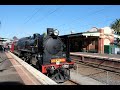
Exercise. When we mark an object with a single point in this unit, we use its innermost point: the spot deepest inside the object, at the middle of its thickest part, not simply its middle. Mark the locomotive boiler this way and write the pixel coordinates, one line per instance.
(47, 53)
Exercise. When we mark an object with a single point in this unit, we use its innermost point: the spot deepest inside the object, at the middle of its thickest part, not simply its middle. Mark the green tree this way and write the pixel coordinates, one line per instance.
(44, 34)
(116, 25)
(15, 38)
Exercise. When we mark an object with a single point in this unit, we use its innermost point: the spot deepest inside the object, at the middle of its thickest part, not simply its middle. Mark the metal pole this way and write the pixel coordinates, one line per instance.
(77, 68)
(107, 79)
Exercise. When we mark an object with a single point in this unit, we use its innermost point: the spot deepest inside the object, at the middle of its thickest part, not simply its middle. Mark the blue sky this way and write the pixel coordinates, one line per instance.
(24, 20)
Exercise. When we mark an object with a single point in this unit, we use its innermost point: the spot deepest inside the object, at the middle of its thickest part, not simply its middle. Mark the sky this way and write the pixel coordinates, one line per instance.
(25, 20)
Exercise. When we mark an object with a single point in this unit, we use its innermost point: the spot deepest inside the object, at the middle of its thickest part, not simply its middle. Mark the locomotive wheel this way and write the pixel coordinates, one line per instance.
(39, 67)
(23, 58)
(27, 57)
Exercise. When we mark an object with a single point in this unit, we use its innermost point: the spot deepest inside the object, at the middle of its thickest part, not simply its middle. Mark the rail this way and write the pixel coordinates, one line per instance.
(83, 80)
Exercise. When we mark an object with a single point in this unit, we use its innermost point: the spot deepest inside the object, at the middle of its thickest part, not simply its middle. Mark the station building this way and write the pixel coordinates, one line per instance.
(95, 40)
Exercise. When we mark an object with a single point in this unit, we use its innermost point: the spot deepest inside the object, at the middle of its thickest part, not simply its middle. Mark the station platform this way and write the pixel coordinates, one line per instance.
(12, 73)
(112, 57)
(8, 74)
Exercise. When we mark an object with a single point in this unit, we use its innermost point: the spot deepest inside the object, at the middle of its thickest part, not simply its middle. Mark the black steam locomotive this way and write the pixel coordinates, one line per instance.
(47, 53)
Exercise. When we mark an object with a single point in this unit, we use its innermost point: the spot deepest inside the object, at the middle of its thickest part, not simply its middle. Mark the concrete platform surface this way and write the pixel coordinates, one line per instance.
(8, 74)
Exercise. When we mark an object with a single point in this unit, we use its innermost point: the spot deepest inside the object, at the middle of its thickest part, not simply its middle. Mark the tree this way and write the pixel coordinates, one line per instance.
(116, 25)
(15, 38)
(44, 34)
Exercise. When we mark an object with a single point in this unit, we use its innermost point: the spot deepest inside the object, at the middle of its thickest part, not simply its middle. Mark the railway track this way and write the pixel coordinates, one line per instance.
(69, 82)
(95, 65)
(103, 74)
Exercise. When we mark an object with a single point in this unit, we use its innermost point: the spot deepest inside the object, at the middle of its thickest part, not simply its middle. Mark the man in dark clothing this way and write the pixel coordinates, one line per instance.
(1, 48)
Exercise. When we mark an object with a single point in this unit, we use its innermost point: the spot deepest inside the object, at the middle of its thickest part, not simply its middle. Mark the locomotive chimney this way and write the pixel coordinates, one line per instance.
(49, 31)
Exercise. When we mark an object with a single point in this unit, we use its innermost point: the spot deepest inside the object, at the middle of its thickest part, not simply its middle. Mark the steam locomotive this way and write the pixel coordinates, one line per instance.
(47, 53)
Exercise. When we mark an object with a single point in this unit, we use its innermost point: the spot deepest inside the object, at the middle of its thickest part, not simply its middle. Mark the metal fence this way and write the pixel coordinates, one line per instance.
(106, 77)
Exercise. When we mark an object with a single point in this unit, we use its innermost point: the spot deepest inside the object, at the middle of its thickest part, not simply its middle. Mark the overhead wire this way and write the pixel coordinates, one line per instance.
(84, 17)
(55, 10)
(96, 23)
(37, 12)
(58, 8)
(1, 22)
(32, 15)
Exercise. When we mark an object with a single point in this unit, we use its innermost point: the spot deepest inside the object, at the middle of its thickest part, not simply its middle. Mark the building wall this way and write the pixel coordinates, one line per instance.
(105, 39)
(90, 44)
(93, 41)
(93, 45)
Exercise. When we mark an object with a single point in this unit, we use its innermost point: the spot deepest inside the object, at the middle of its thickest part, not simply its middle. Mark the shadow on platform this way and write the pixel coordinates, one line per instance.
(11, 83)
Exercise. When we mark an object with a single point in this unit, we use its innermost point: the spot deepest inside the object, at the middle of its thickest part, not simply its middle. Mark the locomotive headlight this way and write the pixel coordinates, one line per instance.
(56, 32)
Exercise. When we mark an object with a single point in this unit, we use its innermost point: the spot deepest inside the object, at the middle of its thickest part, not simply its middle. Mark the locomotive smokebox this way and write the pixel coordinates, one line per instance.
(50, 31)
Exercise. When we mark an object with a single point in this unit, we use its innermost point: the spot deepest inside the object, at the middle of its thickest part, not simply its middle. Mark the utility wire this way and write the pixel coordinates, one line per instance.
(84, 17)
(110, 19)
(43, 17)
(49, 14)
(0, 24)
(32, 15)
(96, 23)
